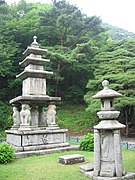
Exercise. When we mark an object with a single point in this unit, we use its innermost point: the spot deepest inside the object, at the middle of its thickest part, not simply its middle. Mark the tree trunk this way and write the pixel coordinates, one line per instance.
(126, 118)
(57, 80)
(56, 89)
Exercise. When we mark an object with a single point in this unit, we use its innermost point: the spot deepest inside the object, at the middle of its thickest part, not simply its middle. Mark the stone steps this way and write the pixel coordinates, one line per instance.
(46, 151)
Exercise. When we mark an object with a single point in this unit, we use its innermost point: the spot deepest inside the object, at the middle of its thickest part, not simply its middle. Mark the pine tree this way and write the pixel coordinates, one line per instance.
(116, 64)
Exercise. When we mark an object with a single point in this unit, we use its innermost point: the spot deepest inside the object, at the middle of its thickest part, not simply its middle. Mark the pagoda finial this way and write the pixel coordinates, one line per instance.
(35, 39)
(35, 44)
(105, 84)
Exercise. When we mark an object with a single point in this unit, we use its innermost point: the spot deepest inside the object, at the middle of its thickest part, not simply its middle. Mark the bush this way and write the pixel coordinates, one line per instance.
(7, 153)
(87, 143)
(2, 136)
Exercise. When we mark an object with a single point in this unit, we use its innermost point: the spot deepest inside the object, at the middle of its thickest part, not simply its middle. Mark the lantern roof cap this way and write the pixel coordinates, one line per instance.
(106, 92)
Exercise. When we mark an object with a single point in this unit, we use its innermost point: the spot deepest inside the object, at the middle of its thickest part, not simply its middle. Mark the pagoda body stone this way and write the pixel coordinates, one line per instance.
(34, 127)
(108, 162)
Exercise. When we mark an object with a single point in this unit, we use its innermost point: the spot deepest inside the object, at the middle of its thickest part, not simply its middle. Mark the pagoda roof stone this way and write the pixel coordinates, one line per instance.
(34, 60)
(34, 73)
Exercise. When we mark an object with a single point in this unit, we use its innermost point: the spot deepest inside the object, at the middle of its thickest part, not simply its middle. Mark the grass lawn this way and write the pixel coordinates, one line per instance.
(46, 167)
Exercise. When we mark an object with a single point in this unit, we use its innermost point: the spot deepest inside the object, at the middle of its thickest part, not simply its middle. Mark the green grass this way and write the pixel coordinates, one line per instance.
(46, 167)
(129, 160)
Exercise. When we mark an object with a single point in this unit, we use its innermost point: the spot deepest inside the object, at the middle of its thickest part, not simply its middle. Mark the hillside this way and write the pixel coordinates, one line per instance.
(117, 33)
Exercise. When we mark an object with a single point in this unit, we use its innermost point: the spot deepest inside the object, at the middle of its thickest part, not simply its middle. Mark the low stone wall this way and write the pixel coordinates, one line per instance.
(125, 144)
(128, 145)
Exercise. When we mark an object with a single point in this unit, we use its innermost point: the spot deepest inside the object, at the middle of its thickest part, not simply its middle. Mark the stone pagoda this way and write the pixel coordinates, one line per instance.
(108, 164)
(34, 128)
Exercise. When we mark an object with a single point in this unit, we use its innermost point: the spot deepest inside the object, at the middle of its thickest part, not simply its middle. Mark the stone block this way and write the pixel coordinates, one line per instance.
(71, 159)
(87, 167)
(34, 86)
(36, 139)
(129, 175)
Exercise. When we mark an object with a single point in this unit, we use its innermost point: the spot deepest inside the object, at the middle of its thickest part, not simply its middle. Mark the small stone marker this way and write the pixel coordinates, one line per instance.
(71, 159)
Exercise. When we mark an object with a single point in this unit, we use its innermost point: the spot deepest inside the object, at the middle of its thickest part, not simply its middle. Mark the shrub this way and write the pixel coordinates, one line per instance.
(6, 153)
(87, 143)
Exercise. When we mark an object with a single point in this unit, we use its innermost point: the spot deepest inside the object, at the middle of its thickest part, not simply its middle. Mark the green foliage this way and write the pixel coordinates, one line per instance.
(6, 153)
(2, 136)
(68, 32)
(116, 64)
(71, 37)
(75, 118)
(5, 116)
(87, 143)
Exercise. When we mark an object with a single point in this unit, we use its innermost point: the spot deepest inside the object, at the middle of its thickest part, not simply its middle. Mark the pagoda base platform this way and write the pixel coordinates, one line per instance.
(128, 175)
(36, 139)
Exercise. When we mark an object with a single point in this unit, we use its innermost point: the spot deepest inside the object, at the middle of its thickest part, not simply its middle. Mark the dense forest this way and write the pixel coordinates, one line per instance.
(82, 54)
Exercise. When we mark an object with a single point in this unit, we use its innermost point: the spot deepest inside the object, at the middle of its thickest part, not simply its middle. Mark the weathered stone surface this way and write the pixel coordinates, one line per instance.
(16, 117)
(34, 73)
(59, 148)
(71, 159)
(109, 124)
(34, 116)
(34, 86)
(108, 114)
(118, 153)
(36, 99)
(97, 152)
(128, 176)
(34, 50)
(30, 139)
(106, 92)
(34, 60)
(87, 167)
(89, 174)
(14, 139)
(51, 113)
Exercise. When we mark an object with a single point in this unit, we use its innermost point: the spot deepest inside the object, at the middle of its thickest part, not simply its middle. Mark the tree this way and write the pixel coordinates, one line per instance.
(116, 64)
(118, 33)
(2, 2)
(19, 23)
(66, 29)
(71, 38)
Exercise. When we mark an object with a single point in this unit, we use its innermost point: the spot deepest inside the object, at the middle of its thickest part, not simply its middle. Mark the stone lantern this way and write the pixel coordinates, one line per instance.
(107, 140)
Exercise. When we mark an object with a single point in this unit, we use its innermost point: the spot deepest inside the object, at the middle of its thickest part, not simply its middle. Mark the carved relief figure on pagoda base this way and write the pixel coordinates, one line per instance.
(25, 116)
(34, 117)
(51, 115)
(16, 117)
(42, 117)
